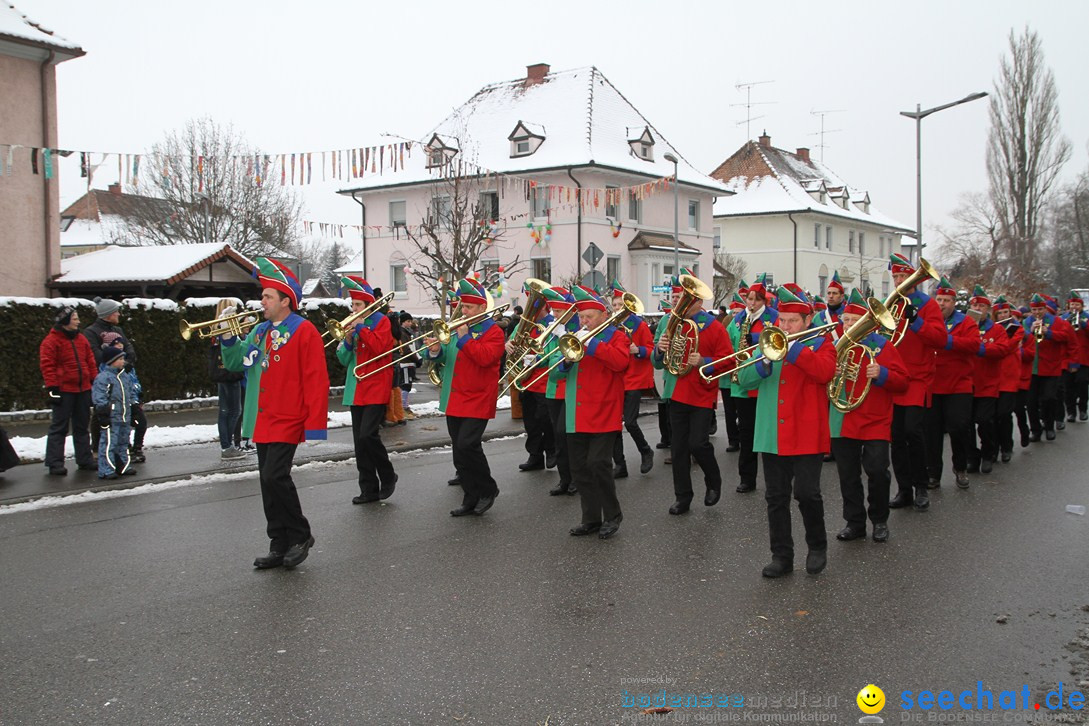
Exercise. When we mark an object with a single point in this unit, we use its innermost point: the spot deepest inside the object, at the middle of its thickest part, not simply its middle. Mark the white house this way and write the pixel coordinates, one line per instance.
(794, 218)
(532, 148)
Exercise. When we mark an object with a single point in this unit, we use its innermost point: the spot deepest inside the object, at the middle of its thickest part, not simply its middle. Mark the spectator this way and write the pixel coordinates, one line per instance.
(68, 369)
(139, 420)
(108, 321)
(230, 391)
(395, 414)
(407, 373)
(112, 397)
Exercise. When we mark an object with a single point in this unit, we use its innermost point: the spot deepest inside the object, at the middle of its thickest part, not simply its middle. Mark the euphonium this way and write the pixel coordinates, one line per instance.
(680, 330)
(852, 357)
(898, 301)
(236, 325)
(525, 345)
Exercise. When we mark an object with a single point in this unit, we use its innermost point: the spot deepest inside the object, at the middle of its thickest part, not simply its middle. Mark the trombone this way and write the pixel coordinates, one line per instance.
(772, 344)
(337, 330)
(237, 325)
(539, 356)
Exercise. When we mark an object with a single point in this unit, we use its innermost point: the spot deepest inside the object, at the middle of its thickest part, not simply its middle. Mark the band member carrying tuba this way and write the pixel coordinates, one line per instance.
(540, 438)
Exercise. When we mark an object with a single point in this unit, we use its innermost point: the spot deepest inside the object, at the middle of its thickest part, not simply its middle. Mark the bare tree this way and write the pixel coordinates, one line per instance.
(728, 271)
(1067, 256)
(1025, 152)
(972, 249)
(214, 188)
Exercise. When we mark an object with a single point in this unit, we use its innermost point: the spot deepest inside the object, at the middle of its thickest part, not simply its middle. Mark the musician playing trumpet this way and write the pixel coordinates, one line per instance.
(1076, 376)
(1052, 336)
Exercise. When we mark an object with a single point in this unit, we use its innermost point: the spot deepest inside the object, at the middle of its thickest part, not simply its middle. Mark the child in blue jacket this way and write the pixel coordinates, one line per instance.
(112, 395)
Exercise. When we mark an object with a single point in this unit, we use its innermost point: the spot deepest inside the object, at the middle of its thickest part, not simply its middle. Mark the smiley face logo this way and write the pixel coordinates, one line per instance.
(871, 699)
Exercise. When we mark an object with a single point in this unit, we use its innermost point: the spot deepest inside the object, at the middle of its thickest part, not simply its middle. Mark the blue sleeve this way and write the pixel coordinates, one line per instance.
(916, 324)
(462, 340)
(763, 367)
(949, 341)
(881, 377)
(592, 346)
(642, 352)
(982, 350)
(793, 353)
(321, 435)
(100, 391)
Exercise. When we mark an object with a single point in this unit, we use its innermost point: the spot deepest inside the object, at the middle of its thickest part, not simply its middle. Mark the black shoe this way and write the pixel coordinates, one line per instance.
(662, 445)
(1083, 416)
(584, 529)
(1025, 440)
(1071, 418)
(550, 460)
(296, 553)
(679, 507)
(710, 499)
(828, 458)
(881, 533)
(88, 467)
(922, 502)
(455, 482)
(732, 448)
(816, 561)
(484, 504)
(610, 527)
(128, 472)
(646, 461)
(562, 489)
(463, 511)
(1034, 438)
(973, 469)
(272, 559)
(60, 471)
(1006, 455)
(620, 471)
(933, 484)
(1060, 425)
(962, 479)
(387, 492)
(848, 533)
(744, 488)
(1049, 434)
(108, 477)
(778, 568)
(365, 499)
(533, 463)
(986, 466)
(901, 500)
(137, 455)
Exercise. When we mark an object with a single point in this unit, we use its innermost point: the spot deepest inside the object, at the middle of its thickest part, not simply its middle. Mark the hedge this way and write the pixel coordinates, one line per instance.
(169, 368)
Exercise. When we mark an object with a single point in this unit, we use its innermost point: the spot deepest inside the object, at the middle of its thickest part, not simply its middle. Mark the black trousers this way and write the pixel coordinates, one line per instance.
(853, 456)
(983, 413)
(557, 413)
(1076, 388)
(73, 409)
(470, 463)
(909, 449)
(1020, 411)
(540, 439)
(948, 413)
(663, 422)
(286, 524)
(1043, 403)
(800, 475)
(747, 466)
(631, 424)
(591, 464)
(371, 459)
(1003, 420)
(691, 438)
(729, 409)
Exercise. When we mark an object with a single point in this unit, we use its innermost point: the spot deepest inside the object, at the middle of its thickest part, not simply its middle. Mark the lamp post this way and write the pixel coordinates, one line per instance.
(918, 114)
(676, 218)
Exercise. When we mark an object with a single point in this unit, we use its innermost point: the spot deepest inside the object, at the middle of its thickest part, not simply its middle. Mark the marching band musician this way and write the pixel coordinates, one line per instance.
(1028, 358)
(1069, 356)
(1051, 335)
(595, 413)
(1076, 377)
(638, 378)
(1009, 377)
(560, 301)
(860, 438)
(370, 341)
(793, 434)
(750, 323)
(665, 307)
(836, 302)
(995, 346)
(540, 439)
(287, 402)
(726, 384)
(468, 397)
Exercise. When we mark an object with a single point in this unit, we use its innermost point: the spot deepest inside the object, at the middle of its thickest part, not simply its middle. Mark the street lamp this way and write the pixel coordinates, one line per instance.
(676, 218)
(918, 114)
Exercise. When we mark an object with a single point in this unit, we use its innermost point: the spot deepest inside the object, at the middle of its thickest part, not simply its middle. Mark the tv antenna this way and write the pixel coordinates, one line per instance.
(822, 146)
(749, 118)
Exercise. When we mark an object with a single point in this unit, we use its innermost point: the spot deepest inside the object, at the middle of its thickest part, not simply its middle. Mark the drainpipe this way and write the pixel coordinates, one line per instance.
(47, 206)
(363, 236)
(795, 223)
(578, 198)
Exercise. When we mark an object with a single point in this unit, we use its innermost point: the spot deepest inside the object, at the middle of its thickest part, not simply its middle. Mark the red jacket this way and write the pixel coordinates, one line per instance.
(1051, 353)
(995, 347)
(470, 382)
(1082, 338)
(67, 363)
(768, 316)
(954, 363)
(373, 343)
(872, 420)
(540, 383)
(640, 373)
(1028, 357)
(714, 343)
(1009, 375)
(925, 334)
(595, 385)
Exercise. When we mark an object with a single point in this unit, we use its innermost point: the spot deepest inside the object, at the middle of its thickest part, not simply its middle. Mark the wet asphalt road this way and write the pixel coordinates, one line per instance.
(145, 609)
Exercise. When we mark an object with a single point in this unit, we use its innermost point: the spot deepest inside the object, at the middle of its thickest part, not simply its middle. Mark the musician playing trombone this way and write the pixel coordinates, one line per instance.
(369, 342)
(470, 383)
(540, 439)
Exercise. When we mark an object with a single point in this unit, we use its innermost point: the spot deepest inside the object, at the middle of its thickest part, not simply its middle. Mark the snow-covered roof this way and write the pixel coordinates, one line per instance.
(767, 180)
(168, 263)
(584, 119)
(83, 232)
(17, 27)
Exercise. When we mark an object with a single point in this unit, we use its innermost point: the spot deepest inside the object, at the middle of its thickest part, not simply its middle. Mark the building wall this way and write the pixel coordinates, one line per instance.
(29, 205)
(636, 271)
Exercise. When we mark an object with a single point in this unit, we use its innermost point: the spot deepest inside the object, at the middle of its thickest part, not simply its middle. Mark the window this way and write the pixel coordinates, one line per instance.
(862, 243)
(489, 205)
(521, 147)
(612, 269)
(822, 284)
(635, 207)
(817, 236)
(828, 237)
(884, 289)
(865, 285)
(718, 238)
(436, 157)
(610, 204)
(397, 214)
(693, 214)
(440, 211)
(851, 241)
(540, 202)
(645, 152)
(655, 273)
(397, 279)
(667, 270)
(542, 268)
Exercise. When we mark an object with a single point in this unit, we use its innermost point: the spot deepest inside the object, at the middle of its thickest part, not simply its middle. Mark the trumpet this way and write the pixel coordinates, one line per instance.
(852, 357)
(237, 325)
(1076, 322)
(1039, 330)
(772, 344)
(676, 356)
(539, 357)
(337, 330)
(898, 301)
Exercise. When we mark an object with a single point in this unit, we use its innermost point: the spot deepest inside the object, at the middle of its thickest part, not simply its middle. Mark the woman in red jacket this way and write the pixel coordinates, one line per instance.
(68, 369)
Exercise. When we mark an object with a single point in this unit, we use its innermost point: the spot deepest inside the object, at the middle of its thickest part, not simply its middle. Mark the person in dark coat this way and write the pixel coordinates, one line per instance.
(108, 321)
(68, 369)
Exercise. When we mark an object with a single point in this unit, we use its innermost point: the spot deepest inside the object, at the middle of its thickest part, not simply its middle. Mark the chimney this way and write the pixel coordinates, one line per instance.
(803, 154)
(765, 140)
(535, 74)
(115, 189)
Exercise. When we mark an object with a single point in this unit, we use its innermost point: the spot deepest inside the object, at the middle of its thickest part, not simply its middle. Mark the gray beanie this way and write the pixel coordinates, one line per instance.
(105, 306)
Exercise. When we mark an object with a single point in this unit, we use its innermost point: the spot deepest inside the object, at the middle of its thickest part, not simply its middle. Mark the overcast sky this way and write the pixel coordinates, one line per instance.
(324, 74)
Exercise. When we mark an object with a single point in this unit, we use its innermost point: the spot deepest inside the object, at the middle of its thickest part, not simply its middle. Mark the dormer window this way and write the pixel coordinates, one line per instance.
(439, 153)
(643, 145)
(525, 139)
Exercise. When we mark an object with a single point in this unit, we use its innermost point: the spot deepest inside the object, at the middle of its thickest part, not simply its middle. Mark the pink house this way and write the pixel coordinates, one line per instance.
(530, 148)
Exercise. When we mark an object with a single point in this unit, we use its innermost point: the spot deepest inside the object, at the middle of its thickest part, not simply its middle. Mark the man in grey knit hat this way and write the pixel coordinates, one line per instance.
(108, 321)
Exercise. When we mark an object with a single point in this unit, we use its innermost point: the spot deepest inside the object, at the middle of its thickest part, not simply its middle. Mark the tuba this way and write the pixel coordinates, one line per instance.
(852, 357)
(898, 301)
(526, 347)
(680, 330)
